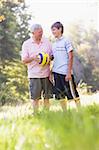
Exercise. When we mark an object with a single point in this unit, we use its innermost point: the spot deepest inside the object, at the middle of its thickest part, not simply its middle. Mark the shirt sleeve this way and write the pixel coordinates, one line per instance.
(50, 49)
(24, 53)
(69, 46)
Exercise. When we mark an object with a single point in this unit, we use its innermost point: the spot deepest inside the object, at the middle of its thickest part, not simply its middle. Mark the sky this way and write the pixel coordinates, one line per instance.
(46, 12)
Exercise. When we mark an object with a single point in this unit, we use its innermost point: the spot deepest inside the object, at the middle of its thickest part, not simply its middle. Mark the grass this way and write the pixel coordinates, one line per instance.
(53, 130)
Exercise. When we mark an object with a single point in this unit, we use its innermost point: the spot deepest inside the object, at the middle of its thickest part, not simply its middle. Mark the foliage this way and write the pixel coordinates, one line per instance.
(86, 41)
(13, 30)
(16, 83)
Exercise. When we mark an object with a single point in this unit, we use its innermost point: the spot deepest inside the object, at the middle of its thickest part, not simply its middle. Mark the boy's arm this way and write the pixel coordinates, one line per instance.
(70, 64)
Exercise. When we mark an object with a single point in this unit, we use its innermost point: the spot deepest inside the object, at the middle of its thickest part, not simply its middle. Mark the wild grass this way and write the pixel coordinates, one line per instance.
(52, 130)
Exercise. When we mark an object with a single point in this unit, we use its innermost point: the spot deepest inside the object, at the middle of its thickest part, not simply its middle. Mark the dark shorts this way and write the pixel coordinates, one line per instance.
(64, 88)
(40, 87)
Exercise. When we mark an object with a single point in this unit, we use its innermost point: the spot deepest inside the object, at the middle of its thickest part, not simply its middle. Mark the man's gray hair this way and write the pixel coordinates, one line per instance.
(35, 27)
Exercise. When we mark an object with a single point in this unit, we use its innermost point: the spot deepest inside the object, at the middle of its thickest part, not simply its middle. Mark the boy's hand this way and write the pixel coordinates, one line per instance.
(51, 57)
(68, 77)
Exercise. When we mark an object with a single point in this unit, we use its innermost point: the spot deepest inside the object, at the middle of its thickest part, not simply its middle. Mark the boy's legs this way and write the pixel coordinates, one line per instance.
(71, 91)
(77, 101)
(59, 90)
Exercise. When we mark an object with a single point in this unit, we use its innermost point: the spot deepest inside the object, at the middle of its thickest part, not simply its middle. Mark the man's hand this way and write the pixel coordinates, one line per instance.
(30, 59)
(37, 58)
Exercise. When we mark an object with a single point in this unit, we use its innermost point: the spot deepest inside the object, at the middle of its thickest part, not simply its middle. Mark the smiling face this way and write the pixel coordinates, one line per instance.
(56, 32)
(38, 33)
(57, 29)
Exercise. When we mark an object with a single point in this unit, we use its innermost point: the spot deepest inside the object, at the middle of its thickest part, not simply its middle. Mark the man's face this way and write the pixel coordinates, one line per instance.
(56, 32)
(38, 33)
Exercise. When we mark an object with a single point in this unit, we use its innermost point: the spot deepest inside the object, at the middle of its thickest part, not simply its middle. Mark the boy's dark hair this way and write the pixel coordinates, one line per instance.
(58, 25)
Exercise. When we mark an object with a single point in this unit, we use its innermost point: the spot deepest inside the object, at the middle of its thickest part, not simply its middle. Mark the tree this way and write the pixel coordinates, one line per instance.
(86, 41)
(13, 30)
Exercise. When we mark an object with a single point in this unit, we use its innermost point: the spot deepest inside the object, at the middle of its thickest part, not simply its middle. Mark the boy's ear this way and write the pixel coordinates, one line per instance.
(60, 29)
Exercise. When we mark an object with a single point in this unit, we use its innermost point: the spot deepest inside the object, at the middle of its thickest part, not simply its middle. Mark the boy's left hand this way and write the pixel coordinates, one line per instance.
(68, 77)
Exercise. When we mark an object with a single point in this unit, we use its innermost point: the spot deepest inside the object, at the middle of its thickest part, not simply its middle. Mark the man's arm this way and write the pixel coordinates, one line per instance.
(25, 55)
(27, 60)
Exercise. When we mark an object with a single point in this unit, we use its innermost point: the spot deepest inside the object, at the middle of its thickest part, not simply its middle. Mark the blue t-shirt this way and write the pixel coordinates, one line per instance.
(61, 49)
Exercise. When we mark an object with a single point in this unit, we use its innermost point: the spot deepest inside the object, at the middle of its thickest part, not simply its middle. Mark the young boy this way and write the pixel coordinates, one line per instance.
(62, 67)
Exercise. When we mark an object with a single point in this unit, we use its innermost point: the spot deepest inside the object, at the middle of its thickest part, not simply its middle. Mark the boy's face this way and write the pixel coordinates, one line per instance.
(56, 32)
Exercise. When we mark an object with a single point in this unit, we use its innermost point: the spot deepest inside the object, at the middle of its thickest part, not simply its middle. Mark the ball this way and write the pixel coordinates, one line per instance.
(43, 58)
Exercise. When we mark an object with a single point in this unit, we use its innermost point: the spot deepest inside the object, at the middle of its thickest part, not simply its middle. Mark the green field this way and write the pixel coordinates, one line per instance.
(52, 130)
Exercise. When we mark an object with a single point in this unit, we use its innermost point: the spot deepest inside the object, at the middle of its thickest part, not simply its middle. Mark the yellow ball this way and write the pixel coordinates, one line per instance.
(43, 58)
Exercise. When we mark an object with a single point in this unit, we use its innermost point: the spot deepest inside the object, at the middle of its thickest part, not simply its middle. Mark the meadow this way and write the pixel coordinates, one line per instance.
(76, 129)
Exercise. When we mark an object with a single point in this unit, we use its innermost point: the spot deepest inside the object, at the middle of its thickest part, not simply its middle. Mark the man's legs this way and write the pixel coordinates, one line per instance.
(35, 92)
(63, 104)
(46, 104)
(35, 104)
(46, 87)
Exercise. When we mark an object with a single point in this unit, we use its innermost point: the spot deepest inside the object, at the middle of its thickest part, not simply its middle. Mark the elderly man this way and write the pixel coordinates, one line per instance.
(38, 75)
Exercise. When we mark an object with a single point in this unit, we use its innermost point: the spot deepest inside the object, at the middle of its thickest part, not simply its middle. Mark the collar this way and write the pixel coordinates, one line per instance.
(59, 38)
(32, 40)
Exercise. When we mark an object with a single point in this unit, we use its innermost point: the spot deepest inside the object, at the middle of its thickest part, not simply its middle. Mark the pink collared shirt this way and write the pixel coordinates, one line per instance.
(30, 49)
